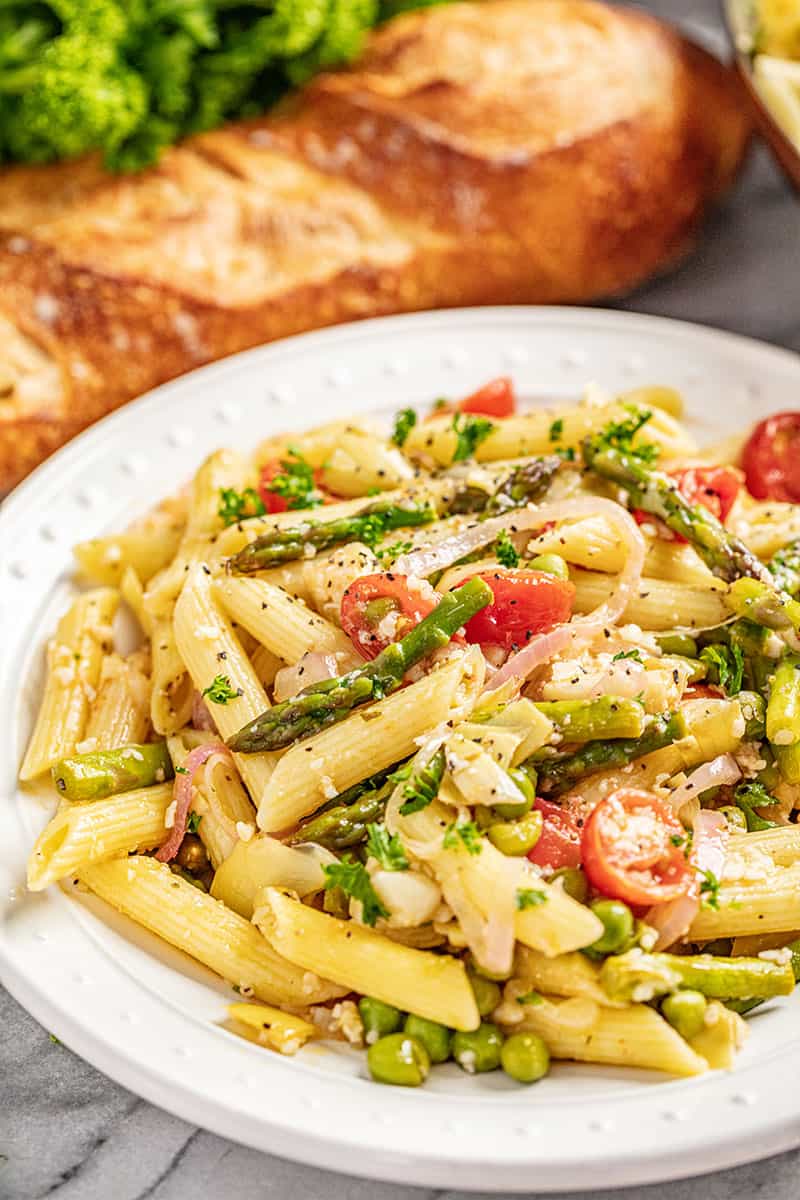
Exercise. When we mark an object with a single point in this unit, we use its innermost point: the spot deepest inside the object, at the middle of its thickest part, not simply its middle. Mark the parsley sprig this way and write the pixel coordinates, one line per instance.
(386, 848)
(404, 422)
(749, 796)
(221, 690)
(295, 482)
(422, 786)
(725, 666)
(634, 655)
(619, 435)
(463, 833)
(505, 551)
(529, 898)
(709, 890)
(237, 506)
(353, 879)
(470, 432)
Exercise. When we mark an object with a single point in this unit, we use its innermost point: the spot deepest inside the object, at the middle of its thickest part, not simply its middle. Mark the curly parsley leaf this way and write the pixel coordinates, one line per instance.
(505, 551)
(557, 430)
(423, 786)
(353, 879)
(221, 690)
(752, 795)
(295, 482)
(404, 422)
(389, 553)
(634, 654)
(725, 666)
(619, 435)
(709, 890)
(386, 848)
(464, 833)
(236, 506)
(470, 432)
(529, 898)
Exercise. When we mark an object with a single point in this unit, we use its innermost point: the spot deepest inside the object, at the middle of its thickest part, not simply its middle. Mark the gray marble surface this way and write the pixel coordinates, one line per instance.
(69, 1133)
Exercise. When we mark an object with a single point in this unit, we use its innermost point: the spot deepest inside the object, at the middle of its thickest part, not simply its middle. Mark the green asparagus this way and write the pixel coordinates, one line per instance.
(369, 525)
(105, 772)
(593, 720)
(522, 486)
(638, 975)
(783, 707)
(758, 601)
(346, 823)
(332, 700)
(559, 772)
(784, 566)
(654, 492)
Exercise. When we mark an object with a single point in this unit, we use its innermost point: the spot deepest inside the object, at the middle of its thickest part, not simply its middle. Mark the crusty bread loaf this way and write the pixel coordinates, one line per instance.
(504, 152)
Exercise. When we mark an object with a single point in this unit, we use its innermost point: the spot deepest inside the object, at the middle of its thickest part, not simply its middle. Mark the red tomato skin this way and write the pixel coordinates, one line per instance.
(771, 458)
(559, 843)
(495, 399)
(660, 873)
(411, 602)
(703, 691)
(716, 488)
(525, 603)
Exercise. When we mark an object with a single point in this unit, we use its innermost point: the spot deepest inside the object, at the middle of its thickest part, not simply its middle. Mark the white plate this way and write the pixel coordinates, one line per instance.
(146, 1015)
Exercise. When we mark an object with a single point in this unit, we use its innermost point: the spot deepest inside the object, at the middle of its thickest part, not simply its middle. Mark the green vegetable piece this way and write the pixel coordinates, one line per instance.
(637, 975)
(487, 993)
(398, 1059)
(551, 564)
(529, 898)
(680, 644)
(404, 422)
(735, 818)
(725, 666)
(347, 822)
(221, 690)
(783, 707)
(463, 834)
(758, 600)
(378, 1019)
(423, 785)
(527, 787)
(386, 848)
(470, 431)
(516, 838)
(617, 921)
(685, 1012)
(754, 713)
(437, 1039)
(237, 506)
(325, 703)
(478, 1051)
(295, 482)
(595, 720)
(353, 879)
(750, 796)
(107, 772)
(559, 772)
(525, 1057)
(784, 566)
(573, 881)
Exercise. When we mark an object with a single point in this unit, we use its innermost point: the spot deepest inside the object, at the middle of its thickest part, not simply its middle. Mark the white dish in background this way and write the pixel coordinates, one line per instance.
(145, 1014)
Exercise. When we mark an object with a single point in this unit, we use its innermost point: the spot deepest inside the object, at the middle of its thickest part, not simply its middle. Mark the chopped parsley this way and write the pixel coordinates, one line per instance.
(470, 432)
(393, 551)
(236, 506)
(193, 822)
(619, 435)
(353, 879)
(464, 833)
(295, 482)
(725, 666)
(181, 771)
(632, 654)
(422, 786)
(386, 848)
(404, 422)
(221, 690)
(557, 430)
(529, 898)
(505, 551)
(532, 997)
(709, 890)
(752, 795)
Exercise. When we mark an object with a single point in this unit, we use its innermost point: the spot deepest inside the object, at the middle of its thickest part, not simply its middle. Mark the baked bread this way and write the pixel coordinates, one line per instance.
(514, 151)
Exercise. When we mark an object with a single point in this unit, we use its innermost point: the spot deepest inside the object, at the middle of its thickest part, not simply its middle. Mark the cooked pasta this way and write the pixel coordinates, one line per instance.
(492, 724)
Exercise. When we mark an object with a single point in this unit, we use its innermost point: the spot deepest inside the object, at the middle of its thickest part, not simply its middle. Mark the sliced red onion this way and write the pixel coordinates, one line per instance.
(673, 920)
(201, 715)
(721, 770)
(313, 667)
(182, 795)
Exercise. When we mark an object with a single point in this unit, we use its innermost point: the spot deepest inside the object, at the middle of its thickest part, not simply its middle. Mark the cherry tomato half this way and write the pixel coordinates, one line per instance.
(771, 458)
(373, 599)
(525, 603)
(633, 849)
(495, 399)
(275, 502)
(716, 488)
(559, 843)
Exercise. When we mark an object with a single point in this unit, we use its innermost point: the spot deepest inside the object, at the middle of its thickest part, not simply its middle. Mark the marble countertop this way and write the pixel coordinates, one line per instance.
(68, 1133)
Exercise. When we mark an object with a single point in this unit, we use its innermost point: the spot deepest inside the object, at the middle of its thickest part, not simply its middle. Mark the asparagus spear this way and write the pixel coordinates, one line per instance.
(637, 975)
(324, 703)
(758, 601)
(558, 772)
(346, 823)
(784, 566)
(654, 492)
(525, 484)
(106, 772)
(593, 720)
(368, 525)
(783, 709)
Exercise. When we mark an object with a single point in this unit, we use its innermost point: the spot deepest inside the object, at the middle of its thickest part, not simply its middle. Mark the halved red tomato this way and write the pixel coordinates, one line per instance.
(495, 399)
(716, 488)
(379, 609)
(771, 458)
(525, 603)
(633, 849)
(559, 843)
(309, 492)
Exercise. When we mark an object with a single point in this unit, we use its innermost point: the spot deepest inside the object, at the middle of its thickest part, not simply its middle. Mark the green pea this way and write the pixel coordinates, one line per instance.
(734, 818)
(378, 1018)
(437, 1039)
(617, 921)
(685, 1012)
(551, 564)
(398, 1059)
(678, 643)
(516, 838)
(527, 787)
(525, 1057)
(487, 994)
(479, 1050)
(573, 881)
